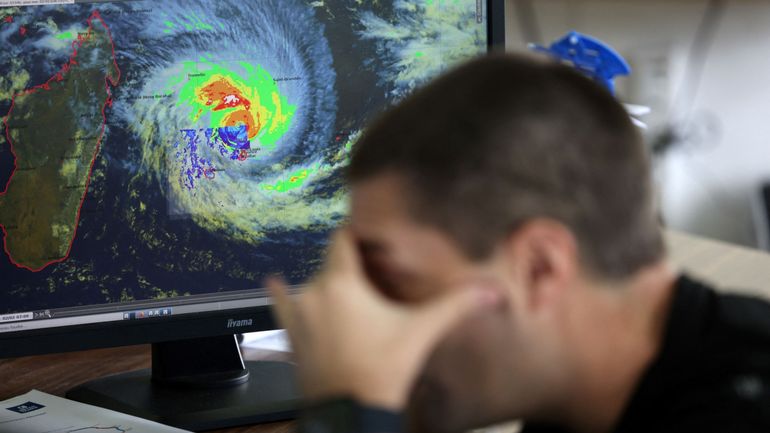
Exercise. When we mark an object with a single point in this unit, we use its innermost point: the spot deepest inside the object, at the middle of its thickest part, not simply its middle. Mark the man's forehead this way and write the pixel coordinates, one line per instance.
(387, 187)
(382, 223)
(378, 203)
(381, 220)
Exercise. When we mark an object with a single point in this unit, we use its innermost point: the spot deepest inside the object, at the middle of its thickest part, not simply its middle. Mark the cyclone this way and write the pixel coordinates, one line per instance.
(275, 92)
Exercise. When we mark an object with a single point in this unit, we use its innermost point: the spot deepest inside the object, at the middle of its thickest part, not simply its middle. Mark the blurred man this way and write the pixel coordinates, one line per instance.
(504, 261)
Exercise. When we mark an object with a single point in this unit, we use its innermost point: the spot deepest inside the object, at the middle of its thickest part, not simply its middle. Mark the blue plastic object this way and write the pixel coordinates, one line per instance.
(590, 56)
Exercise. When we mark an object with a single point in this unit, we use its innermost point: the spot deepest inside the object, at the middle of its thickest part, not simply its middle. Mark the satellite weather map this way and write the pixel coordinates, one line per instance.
(152, 150)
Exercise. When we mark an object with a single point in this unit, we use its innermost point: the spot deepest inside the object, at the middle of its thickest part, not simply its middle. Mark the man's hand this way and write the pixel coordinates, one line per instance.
(349, 340)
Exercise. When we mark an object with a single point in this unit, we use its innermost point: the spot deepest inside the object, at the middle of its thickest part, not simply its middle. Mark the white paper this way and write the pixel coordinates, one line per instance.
(38, 412)
(276, 341)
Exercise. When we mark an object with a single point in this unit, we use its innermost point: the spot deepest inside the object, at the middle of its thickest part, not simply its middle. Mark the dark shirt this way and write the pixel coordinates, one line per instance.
(713, 370)
(712, 373)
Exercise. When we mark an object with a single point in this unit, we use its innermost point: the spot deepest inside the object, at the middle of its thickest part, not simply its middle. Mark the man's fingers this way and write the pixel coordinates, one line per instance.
(283, 306)
(437, 318)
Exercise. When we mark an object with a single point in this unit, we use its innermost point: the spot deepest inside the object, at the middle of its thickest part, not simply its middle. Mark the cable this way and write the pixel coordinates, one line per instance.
(699, 51)
(528, 23)
(705, 34)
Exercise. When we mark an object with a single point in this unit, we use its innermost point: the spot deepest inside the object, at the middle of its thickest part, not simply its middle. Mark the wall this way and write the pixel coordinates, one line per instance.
(707, 182)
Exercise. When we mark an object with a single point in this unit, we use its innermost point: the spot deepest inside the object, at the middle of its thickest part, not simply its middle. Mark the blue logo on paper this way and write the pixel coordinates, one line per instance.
(26, 407)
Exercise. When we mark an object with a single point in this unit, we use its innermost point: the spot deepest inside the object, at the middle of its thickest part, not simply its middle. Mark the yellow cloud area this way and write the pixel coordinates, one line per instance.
(251, 223)
(426, 39)
(236, 206)
(68, 168)
(14, 82)
(239, 207)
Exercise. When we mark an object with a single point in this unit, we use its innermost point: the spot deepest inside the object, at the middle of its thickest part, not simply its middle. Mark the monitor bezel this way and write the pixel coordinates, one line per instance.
(186, 326)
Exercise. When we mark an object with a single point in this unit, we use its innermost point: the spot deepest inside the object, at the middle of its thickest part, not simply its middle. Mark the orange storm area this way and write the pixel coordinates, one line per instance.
(222, 94)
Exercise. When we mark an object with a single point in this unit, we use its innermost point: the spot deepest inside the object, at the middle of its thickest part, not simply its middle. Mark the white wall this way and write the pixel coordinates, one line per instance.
(706, 184)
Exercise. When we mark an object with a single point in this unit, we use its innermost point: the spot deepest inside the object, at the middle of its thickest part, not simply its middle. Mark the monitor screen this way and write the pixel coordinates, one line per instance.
(159, 159)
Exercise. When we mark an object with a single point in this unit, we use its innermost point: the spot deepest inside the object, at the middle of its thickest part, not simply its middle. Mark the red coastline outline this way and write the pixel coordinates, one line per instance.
(59, 76)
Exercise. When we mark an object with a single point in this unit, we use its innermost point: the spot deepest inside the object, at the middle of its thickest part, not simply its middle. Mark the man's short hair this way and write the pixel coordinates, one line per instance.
(505, 139)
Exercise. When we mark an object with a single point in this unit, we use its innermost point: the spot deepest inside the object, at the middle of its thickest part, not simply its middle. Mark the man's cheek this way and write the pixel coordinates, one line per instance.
(465, 349)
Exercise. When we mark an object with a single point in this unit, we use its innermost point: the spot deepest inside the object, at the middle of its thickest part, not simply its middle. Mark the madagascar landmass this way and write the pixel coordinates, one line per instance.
(55, 131)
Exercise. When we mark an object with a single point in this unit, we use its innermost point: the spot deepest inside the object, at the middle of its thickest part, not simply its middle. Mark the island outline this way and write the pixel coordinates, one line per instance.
(58, 76)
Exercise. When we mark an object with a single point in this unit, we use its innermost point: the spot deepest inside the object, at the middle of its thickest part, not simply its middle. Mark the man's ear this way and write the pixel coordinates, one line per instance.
(543, 253)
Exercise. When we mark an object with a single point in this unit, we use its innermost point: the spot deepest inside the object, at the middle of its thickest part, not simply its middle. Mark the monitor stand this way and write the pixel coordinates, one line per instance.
(198, 385)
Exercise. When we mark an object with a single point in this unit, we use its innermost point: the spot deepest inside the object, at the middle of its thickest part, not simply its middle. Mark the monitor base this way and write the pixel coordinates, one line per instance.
(254, 392)
(268, 396)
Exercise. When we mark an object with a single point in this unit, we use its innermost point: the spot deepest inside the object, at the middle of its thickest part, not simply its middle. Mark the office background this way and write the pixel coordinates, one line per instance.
(711, 92)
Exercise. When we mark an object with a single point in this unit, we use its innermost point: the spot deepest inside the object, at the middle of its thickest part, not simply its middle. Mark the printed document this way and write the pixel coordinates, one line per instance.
(38, 412)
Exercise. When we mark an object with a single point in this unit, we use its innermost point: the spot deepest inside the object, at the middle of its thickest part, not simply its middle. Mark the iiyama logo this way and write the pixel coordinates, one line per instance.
(238, 323)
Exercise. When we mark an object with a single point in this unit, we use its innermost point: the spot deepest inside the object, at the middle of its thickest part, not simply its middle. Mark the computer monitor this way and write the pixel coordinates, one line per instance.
(159, 159)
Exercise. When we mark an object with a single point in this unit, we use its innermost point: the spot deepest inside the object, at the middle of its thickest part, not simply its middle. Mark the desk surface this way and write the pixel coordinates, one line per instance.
(728, 266)
(56, 374)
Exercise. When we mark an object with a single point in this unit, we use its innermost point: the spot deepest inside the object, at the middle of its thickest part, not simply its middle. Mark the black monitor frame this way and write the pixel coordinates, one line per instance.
(186, 326)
